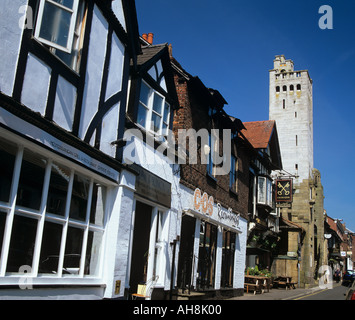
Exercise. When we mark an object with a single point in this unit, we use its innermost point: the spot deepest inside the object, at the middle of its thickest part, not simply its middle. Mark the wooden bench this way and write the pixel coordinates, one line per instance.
(284, 281)
(255, 283)
(253, 286)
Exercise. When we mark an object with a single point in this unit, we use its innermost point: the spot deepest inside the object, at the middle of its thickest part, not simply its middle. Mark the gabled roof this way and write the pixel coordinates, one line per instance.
(263, 134)
(259, 133)
(150, 55)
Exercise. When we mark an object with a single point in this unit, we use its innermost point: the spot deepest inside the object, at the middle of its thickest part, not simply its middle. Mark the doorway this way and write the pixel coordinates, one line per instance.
(140, 249)
(186, 253)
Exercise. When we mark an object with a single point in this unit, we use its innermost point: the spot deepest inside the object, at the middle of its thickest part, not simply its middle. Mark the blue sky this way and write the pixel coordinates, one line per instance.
(230, 45)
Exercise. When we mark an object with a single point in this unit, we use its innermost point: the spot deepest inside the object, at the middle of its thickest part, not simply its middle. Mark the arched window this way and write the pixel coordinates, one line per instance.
(284, 88)
(292, 87)
(277, 89)
(298, 87)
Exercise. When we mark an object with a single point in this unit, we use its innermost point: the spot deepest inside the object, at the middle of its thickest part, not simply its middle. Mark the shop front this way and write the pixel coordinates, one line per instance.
(58, 204)
(149, 246)
(212, 246)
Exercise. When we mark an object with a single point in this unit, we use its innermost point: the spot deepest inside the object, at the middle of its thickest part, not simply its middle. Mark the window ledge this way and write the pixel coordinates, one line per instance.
(211, 178)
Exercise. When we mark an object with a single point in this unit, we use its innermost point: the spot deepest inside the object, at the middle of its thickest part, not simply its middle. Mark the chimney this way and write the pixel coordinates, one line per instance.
(145, 36)
(150, 38)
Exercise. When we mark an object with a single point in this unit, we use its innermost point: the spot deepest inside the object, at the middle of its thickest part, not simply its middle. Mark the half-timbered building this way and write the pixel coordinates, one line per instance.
(64, 75)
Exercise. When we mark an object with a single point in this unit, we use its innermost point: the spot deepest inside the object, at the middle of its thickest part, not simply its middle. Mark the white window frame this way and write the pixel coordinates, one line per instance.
(149, 118)
(71, 31)
(266, 191)
(41, 216)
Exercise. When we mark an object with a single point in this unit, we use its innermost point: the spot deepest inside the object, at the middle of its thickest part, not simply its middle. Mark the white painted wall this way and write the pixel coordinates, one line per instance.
(36, 85)
(95, 66)
(64, 105)
(11, 29)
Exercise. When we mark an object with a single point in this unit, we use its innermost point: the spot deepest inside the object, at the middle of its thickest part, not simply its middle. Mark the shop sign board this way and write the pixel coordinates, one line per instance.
(204, 204)
(152, 187)
(283, 190)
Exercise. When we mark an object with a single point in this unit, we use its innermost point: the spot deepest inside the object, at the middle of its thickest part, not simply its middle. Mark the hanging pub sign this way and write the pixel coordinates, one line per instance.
(283, 190)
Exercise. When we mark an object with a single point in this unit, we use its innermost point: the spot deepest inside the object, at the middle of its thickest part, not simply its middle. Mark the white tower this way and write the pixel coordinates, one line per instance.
(291, 105)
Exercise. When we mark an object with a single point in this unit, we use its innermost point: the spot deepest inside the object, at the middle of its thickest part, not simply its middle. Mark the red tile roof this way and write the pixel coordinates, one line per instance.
(259, 133)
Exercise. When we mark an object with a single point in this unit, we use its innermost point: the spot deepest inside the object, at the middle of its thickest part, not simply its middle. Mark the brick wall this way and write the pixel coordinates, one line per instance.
(193, 113)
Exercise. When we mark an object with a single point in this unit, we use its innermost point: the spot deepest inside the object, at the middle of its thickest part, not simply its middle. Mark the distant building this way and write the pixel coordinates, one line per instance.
(291, 106)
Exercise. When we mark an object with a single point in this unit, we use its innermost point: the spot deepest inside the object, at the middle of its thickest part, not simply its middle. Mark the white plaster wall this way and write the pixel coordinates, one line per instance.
(36, 85)
(109, 131)
(240, 254)
(95, 66)
(118, 237)
(64, 104)
(118, 10)
(10, 39)
(114, 81)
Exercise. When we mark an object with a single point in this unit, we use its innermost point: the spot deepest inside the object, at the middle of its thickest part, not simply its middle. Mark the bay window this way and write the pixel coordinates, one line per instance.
(52, 217)
(264, 191)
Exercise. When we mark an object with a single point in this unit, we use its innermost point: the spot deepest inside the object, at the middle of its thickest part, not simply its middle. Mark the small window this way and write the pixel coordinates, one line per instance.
(233, 178)
(56, 23)
(284, 104)
(61, 25)
(277, 89)
(211, 167)
(298, 87)
(292, 87)
(296, 140)
(296, 166)
(284, 88)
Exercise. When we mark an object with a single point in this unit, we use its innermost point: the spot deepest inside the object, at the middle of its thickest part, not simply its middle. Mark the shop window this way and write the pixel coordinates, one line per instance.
(233, 177)
(73, 213)
(2, 227)
(60, 25)
(153, 111)
(22, 243)
(58, 189)
(30, 186)
(228, 251)
(207, 256)
(159, 245)
(50, 249)
(93, 253)
(79, 200)
(73, 247)
(7, 162)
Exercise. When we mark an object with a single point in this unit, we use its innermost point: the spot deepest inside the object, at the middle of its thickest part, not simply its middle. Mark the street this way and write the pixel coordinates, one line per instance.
(337, 293)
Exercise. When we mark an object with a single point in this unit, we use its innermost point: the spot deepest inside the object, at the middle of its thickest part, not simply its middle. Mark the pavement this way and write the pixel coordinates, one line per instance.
(281, 294)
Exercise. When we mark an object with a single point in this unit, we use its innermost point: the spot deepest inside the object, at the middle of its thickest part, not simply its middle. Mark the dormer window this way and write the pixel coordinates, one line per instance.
(153, 111)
